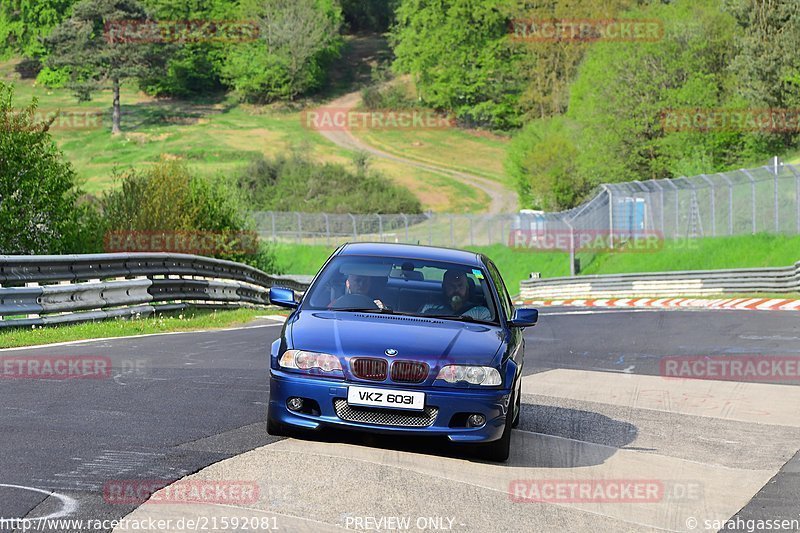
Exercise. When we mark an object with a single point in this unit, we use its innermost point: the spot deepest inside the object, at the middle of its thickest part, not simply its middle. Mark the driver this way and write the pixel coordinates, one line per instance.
(357, 284)
(456, 299)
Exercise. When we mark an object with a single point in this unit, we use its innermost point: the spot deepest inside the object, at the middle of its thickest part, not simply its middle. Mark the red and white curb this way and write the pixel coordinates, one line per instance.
(749, 304)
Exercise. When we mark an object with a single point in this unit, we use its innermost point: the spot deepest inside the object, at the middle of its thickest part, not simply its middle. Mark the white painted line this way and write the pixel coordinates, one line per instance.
(68, 505)
(276, 318)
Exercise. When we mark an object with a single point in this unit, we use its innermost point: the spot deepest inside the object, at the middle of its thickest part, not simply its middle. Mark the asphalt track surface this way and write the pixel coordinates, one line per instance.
(192, 405)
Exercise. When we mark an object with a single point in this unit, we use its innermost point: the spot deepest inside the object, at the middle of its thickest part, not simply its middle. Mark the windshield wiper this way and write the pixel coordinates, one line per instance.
(385, 310)
(465, 318)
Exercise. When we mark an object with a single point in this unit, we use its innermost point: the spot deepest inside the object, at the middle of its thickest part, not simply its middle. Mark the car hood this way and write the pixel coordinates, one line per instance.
(434, 341)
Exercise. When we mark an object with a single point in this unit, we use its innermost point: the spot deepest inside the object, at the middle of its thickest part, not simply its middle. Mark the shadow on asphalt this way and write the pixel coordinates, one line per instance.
(548, 437)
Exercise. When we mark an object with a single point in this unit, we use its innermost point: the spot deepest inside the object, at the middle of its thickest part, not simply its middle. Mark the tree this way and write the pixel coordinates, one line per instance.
(38, 213)
(23, 23)
(461, 58)
(296, 40)
(622, 90)
(371, 16)
(766, 59)
(87, 45)
(194, 67)
(542, 161)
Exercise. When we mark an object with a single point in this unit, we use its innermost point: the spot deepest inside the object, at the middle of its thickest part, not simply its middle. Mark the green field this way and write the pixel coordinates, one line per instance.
(700, 254)
(188, 320)
(214, 137)
(478, 153)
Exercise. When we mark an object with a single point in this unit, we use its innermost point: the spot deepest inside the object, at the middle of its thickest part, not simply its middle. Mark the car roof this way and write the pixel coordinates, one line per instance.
(412, 251)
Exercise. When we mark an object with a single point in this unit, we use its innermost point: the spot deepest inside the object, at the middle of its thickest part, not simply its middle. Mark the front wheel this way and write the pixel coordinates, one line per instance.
(499, 450)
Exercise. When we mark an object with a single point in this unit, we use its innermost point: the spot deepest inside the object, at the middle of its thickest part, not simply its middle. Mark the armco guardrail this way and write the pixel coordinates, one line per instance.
(678, 283)
(38, 290)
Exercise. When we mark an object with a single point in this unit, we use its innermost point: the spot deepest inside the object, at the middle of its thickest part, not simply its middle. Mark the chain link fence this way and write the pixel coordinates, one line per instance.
(746, 201)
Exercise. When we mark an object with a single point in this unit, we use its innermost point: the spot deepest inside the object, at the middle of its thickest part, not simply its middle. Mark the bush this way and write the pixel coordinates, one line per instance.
(28, 68)
(541, 159)
(38, 192)
(53, 78)
(296, 183)
(168, 198)
(393, 96)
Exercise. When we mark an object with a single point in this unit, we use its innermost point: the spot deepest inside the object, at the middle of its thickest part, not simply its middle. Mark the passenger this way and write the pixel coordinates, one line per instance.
(456, 299)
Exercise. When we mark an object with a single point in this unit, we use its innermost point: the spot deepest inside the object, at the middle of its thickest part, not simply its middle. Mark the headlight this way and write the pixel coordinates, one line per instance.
(475, 375)
(302, 360)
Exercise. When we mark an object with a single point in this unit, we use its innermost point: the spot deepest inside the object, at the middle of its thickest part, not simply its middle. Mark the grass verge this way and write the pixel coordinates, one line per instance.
(746, 251)
(187, 320)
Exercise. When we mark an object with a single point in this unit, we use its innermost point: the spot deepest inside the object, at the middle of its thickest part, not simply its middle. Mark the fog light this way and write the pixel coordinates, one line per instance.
(475, 421)
(294, 404)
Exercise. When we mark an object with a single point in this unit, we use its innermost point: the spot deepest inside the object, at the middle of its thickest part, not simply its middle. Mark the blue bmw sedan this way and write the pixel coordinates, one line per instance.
(397, 338)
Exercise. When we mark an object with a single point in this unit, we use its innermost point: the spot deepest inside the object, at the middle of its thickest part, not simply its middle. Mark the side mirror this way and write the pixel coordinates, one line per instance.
(524, 318)
(282, 297)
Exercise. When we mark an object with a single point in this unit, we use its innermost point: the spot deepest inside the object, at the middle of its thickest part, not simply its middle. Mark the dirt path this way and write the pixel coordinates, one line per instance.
(502, 199)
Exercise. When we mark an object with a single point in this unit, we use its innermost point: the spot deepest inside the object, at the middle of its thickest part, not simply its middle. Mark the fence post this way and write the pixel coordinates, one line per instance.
(777, 171)
(274, 235)
(405, 221)
(380, 228)
(355, 231)
(610, 217)
(327, 230)
(299, 227)
(713, 205)
(661, 203)
(471, 241)
(452, 238)
(796, 194)
(753, 194)
(730, 202)
(571, 248)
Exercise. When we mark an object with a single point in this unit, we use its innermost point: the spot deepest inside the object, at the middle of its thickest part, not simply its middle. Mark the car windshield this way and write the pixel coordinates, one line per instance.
(404, 286)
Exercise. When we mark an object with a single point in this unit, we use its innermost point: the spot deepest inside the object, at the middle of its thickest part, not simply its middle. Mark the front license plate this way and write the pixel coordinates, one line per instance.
(395, 399)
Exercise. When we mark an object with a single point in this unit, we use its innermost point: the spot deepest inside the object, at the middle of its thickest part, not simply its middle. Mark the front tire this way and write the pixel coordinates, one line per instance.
(499, 450)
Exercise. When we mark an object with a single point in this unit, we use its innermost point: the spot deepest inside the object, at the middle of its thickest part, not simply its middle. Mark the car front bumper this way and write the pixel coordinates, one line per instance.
(448, 403)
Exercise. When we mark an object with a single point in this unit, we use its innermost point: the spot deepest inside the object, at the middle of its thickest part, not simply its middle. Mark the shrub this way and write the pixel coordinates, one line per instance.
(168, 198)
(295, 183)
(38, 192)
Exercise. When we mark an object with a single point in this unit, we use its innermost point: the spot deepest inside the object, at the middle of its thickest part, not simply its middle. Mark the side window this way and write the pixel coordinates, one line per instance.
(505, 300)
